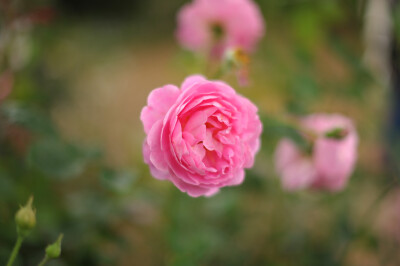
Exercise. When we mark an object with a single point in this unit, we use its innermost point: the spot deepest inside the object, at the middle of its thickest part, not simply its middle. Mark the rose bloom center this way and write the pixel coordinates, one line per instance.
(207, 133)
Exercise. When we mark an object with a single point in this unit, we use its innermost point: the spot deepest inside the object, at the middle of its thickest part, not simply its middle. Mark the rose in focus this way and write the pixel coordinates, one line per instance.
(330, 159)
(200, 137)
(215, 25)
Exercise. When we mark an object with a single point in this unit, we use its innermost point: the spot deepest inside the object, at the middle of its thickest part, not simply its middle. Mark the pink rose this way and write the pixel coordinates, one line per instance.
(215, 25)
(329, 163)
(200, 137)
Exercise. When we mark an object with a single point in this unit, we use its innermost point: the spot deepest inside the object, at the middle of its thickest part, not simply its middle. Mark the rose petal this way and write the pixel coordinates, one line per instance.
(159, 102)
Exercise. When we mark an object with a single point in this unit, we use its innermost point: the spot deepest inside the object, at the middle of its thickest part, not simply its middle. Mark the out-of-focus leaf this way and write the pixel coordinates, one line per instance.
(307, 26)
(361, 76)
(283, 130)
(57, 158)
(118, 181)
(303, 90)
(6, 185)
(81, 206)
(396, 20)
(28, 118)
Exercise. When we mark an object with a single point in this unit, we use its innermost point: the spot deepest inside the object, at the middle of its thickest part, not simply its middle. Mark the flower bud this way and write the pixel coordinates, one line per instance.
(330, 162)
(238, 60)
(53, 251)
(237, 57)
(26, 218)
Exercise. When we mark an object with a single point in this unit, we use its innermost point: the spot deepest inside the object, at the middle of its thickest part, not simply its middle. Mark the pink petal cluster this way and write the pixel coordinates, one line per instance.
(331, 161)
(200, 137)
(240, 21)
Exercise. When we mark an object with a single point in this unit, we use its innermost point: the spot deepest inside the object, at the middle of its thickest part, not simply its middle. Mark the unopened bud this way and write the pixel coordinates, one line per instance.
(237, 57)
(238, 60)
(26, 218)
(53, 251)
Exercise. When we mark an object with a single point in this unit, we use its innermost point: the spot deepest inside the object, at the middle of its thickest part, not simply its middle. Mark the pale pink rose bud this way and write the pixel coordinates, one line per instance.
(211, 26)
(200, 137)
(330, 161)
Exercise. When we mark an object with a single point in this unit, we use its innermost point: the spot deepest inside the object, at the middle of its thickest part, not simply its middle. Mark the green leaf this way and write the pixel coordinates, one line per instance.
(118, 181)
(7, 185)
(28, 118)
(280, 129)
(396, 20)
(58, 159)
(303, 90)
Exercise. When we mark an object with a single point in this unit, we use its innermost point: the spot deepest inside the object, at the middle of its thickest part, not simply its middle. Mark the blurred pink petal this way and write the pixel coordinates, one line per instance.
(158, 103)
(214, 25)
(331, 161)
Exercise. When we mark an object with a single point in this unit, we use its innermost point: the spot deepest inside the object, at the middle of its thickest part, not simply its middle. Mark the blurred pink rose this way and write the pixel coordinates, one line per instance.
(200, 137)
(329, 163)
(214, 25)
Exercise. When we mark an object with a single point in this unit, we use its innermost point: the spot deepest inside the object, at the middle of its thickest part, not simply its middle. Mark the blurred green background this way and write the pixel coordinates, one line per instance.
(70, 135)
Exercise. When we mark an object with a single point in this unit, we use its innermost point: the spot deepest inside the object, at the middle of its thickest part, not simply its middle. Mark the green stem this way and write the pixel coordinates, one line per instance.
(15, 251)
(44, 260)
(296, 124)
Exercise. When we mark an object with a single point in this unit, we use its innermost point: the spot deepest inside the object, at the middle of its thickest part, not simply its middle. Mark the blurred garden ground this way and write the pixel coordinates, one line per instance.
(91, 70)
